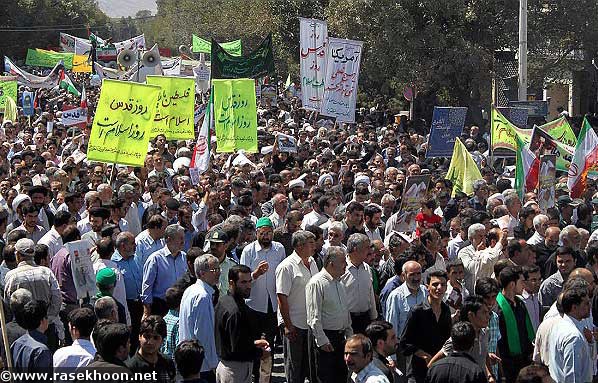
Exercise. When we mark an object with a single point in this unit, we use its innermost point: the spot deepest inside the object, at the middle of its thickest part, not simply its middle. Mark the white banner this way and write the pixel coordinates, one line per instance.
(32, 81)
(74, 116)
(76, 45)
(171, 67)
(137, 42)
(342, 75)
(312, 59)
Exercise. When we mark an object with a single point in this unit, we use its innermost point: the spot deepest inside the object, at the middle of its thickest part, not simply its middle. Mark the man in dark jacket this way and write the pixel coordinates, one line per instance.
(237, 342)
(112, 343)
(459, 366)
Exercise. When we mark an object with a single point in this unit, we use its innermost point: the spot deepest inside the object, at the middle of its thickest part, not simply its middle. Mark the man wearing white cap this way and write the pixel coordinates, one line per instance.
(16, 209)
(296, 187)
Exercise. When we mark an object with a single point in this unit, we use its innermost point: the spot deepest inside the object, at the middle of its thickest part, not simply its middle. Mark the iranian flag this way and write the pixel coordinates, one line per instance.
(585, 158)
(527, 168)
(201, 153)
(66, 83)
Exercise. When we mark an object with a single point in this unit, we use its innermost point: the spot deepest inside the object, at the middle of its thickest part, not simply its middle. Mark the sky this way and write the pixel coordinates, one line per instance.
(120, 8)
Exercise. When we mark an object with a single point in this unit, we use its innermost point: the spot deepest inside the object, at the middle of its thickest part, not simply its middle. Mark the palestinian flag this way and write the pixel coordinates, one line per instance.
(66, 83)
(585, 158)
(527, 168)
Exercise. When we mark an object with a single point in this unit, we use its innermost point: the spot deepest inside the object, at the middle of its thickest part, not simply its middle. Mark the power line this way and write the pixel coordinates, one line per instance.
(51, 29)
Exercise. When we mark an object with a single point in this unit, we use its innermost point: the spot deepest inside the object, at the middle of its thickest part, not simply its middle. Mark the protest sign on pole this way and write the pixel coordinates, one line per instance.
(234, 48)
(342, 75)
(7, 89)
(82, 268)
(27, 103)
(175, 107)
(73, 116)
(286, 144)
(268, 96)
(416, 189)
(518, 116)
(312, 60)
(48, 59)
(121, 125)
(447, 125)
(235, 115)
(81, 64)
(547, 181)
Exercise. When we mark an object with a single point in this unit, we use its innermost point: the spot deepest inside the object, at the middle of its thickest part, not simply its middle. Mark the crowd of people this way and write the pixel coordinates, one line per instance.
(296, 252)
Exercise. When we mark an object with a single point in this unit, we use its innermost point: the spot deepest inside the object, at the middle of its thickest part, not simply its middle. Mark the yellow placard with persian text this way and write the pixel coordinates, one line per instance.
(81, 64)
(121, 125)
(235, 115)
(175, 107)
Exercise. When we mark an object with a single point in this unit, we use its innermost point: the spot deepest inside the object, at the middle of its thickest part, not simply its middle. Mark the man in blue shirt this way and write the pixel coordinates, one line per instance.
(29, 351)
(124, 257)
(197, 309)
(161, 270)
(150, 240)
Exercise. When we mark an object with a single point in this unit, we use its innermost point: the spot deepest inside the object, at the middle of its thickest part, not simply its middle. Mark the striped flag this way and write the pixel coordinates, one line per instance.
(584, 159)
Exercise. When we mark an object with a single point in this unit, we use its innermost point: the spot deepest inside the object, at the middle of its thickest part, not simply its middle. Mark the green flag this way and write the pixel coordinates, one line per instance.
(235, 115)
(463, 170)
(48, 59)
(561, 131)
(204, 46)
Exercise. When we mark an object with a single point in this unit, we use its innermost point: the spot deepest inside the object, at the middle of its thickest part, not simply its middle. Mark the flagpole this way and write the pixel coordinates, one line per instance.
(491, 139)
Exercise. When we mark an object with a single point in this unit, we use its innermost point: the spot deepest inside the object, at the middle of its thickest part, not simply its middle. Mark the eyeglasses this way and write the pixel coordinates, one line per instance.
(214, 270)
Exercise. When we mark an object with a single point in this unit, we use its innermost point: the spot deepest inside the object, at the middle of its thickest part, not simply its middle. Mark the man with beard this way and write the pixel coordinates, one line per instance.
(97, 219)
(571, 238)
(237, 337)
(33, 231)
(38, 196)
(263, 256)
(185, 214)
(547, 247)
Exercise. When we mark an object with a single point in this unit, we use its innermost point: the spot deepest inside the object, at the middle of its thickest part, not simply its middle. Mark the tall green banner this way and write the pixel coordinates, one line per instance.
(175, 107)
(204, 46)
(259, 63)
(7, 89)
(48, 59)
(235, 115)
(121, 125)
(561, 131)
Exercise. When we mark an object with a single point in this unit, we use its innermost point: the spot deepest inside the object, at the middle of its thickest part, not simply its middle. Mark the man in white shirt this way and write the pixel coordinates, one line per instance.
(372, 219)
(358, 358)
(532, 281)
(82, 351)
(281, 206)
(53, 238)
(478, 260)
(358, 283)
(328, 319)
(569, 358)
(263, 257)
(292, 276)
(511, 220)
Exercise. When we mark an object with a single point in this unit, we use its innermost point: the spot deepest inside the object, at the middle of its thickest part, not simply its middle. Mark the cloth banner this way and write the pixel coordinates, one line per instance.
(447, 125)
(134, 43)
(32, 81)
(7, 89)
(546, 182)
(502, 132)
(175, 107)
(258, 63)
(74, 116)
(342, 75)
(313, 53)
(81, 64)
(82, 268)
(542, 143)
(286, 143)
(73, 44)
(235, 115)
(171, 67)
(121, 125)
(561, 131)
(200, 45)
(416, 189)
(518, 116)
(48, 59)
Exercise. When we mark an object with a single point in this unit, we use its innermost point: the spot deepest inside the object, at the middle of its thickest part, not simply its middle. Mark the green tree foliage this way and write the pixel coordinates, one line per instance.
(45, 19)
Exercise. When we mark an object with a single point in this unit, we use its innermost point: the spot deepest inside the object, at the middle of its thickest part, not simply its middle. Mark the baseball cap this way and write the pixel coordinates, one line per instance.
(25, 246)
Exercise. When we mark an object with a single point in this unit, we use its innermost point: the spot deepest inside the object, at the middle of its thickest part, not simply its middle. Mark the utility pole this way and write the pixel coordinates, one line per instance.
(522, 50)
